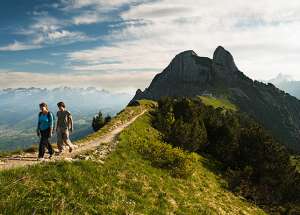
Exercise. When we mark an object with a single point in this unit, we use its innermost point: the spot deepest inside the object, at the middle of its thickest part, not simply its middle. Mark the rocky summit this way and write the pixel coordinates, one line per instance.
(189, 75)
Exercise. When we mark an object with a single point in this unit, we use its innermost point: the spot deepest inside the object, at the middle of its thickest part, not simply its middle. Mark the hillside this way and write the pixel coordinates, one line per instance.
(189, 75)
(143, 175)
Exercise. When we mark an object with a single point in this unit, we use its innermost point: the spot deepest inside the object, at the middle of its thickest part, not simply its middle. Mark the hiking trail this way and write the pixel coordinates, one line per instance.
(102, 147)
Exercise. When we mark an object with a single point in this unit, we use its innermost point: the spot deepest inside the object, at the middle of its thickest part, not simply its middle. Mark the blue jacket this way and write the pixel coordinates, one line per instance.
(45, 121)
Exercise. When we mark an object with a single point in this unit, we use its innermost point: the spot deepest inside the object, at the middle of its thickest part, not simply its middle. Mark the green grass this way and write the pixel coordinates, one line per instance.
(129, 182)
(122, 117)
(218, 102)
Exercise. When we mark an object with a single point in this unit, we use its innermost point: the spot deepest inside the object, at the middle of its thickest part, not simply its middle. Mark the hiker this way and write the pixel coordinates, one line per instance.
(45, 130)
(64, 126)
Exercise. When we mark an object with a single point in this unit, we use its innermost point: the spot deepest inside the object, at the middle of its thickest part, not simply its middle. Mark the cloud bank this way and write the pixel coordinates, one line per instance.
(262, 35)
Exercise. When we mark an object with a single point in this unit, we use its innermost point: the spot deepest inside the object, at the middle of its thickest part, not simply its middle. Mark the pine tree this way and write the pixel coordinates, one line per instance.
(190, 136)
(98, 122)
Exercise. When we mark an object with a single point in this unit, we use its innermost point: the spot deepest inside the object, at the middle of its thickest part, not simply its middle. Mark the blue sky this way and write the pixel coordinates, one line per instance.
(121, 44)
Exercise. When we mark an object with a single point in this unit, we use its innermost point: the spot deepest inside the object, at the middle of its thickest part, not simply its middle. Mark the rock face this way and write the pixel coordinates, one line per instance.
(189, 75)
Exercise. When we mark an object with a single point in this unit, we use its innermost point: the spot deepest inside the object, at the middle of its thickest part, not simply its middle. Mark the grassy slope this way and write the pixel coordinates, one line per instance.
(218, 102)
(126, 183)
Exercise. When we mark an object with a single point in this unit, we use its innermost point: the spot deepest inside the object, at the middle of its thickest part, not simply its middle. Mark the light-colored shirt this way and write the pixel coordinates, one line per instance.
(64, 120)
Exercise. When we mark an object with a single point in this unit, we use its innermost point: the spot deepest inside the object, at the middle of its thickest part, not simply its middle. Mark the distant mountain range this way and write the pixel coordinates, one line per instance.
(19, 109)
(286, 83)
(189, 75)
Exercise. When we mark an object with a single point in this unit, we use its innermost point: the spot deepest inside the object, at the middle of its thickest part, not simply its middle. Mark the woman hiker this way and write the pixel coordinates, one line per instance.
(45, 130)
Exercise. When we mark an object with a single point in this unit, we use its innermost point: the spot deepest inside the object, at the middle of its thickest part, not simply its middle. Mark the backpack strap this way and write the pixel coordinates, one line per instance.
(49, 115)
(38, 126)
(70, 120)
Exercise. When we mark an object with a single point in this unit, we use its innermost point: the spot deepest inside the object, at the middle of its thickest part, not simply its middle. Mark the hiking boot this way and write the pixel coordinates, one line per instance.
(50, 156)
(41, 159)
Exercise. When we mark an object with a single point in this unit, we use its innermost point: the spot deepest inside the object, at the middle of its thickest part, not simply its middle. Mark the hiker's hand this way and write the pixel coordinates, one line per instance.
(51, 133)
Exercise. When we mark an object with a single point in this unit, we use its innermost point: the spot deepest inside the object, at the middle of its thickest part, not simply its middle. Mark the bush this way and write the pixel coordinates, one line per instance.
(162, 155)
(223, 135)
(190, 136)
(180, 123)
(98, 121)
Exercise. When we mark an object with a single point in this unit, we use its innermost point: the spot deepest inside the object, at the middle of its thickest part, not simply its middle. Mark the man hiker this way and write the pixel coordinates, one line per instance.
(45, 130)
(64, 126)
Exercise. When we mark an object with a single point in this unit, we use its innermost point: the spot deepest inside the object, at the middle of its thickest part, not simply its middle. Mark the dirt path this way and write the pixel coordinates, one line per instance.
(100, 145)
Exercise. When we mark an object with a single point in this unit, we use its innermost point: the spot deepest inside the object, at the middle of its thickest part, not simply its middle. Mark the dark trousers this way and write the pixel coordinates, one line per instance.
(44, 143)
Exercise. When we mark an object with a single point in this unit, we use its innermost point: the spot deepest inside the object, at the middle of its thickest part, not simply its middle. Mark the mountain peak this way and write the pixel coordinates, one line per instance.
(187, 53)
(183, 57)
(223, 58)
(219, 49)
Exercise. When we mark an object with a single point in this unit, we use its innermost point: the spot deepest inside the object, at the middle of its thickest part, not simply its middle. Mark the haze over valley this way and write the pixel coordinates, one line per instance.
(19, 111)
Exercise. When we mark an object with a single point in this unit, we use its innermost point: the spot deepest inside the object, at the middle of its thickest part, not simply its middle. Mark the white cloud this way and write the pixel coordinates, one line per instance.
(125, 56)
(104, 4)
(89, 18)
(262, 35)
(36, 61)
(128, 82)
(47, 30)
(44, 24)
(18, 46)
(66, 35)
(95, 11)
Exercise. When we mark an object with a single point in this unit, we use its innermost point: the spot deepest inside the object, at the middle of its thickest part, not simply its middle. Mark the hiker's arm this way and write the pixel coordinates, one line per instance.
(56, 124)
(38, 127)
(71, 122)
(51, 123)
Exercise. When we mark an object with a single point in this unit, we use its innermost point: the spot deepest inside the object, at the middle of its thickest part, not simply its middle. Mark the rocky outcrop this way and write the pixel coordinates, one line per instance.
(224, 59)
(223, 65)
(189, 75)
